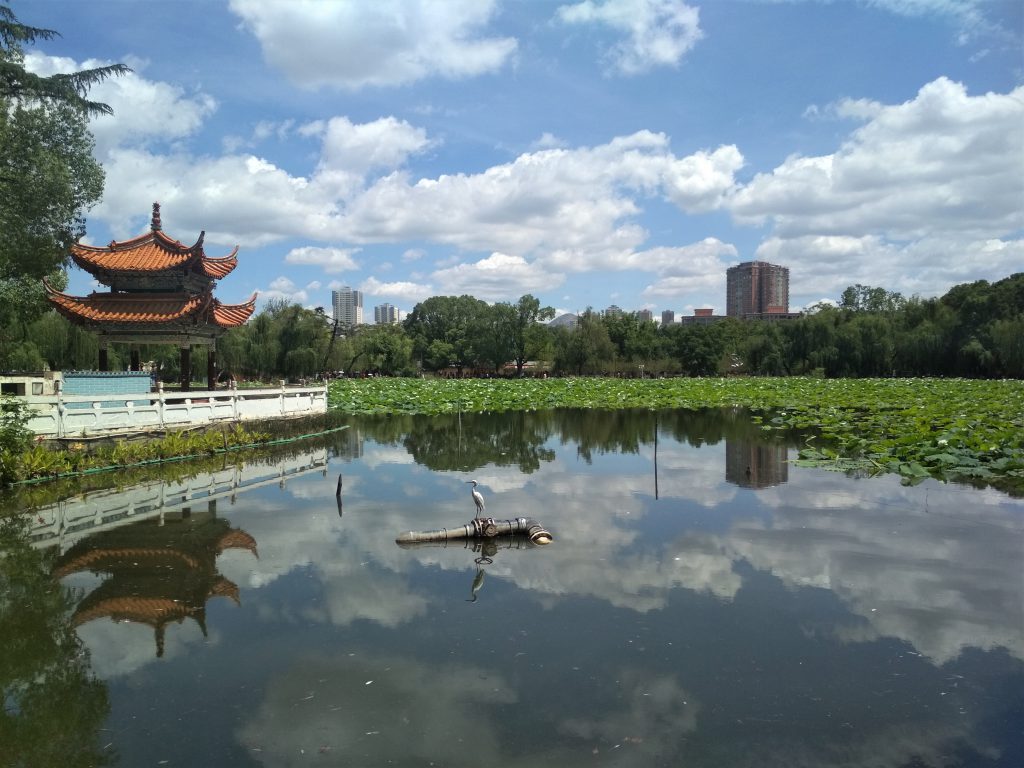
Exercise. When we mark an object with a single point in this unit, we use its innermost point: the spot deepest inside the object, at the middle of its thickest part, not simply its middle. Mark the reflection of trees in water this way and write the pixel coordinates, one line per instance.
(53, 705)
(468, 441)
(625, 431)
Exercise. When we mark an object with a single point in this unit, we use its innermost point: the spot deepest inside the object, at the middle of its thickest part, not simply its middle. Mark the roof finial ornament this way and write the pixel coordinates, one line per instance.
(156, 217)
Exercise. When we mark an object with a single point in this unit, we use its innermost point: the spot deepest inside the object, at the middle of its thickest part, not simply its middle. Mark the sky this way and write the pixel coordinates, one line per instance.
(589, 153)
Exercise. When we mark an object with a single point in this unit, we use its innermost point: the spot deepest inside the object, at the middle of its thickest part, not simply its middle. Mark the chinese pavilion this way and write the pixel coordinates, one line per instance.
(161, 292)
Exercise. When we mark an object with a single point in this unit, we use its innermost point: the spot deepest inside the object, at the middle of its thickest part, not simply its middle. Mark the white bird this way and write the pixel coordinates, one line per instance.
(478, 498)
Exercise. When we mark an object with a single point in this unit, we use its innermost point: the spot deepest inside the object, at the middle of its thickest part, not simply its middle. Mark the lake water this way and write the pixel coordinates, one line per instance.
(704, 603)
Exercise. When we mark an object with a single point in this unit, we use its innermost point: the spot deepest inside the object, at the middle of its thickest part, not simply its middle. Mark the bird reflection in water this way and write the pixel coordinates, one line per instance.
(486, 549)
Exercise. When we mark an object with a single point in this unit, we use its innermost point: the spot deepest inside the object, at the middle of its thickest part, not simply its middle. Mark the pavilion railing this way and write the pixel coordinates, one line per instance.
(59, 416)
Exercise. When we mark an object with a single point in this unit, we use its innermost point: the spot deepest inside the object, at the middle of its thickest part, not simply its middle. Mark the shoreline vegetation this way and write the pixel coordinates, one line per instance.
(967, 430)
(42, 462)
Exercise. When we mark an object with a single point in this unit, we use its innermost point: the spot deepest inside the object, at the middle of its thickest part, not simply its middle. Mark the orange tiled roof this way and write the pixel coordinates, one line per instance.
(152, 252)
(233, 315)
(150, 308)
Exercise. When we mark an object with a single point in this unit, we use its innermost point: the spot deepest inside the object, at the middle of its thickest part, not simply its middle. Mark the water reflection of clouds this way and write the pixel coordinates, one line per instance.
(376, 455)
(926, 564)
(120, 648)
(365, 709)
(373, 710)
(932, 565)
(655, 715)
(693, 474)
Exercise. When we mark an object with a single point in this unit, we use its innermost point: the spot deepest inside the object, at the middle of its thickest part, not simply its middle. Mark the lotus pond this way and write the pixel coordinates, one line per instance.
(945, 428)
(707, 601)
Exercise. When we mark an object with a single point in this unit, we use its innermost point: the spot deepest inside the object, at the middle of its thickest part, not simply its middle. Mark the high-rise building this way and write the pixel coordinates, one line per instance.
(613, 311)
(385, 314)
(348, 307)
(645, 316)
(757, 288)
(668, 317)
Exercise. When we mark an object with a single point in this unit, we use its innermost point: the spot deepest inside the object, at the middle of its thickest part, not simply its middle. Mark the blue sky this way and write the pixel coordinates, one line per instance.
(591, 153)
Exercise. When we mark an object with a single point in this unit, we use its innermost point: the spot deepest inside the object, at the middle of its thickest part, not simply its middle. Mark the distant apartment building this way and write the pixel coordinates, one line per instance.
(613, 311)
(348, 307)
(385, 314)
(757, 289)
(645, 316)
(702, 316)
(668, 317)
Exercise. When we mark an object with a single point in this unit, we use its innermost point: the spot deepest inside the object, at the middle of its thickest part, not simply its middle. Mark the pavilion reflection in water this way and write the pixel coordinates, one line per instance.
(156, 571)
(156, 545)
(755, 465)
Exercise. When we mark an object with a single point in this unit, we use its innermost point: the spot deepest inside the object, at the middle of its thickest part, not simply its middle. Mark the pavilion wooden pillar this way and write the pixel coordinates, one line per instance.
(186, 367)
(211, 367)
(104, 362)
(135, 364)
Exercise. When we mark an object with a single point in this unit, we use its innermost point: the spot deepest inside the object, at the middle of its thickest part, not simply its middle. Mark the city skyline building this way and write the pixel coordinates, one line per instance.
(613, 311)
(348, 307)
(757, 288)
(385, 314)
(668, 317)
(645, 316)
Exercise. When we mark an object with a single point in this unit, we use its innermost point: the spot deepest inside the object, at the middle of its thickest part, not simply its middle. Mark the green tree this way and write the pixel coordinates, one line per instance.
(585, 348)
(71, 89)
(444, 330)
(48, 177)
(865, 298)
(697, 348)
(528, 336)
(1008, 345)
(386, 349)
(496, 342)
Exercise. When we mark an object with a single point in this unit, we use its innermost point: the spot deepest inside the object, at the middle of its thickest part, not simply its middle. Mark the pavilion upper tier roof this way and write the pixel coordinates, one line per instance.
(152, 252)
(153, 309)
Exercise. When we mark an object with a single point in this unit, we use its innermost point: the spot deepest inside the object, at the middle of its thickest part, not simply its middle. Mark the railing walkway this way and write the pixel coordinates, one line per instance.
(61, 416)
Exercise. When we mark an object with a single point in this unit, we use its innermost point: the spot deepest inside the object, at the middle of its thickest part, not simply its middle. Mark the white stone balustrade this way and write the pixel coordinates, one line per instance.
(91, 415)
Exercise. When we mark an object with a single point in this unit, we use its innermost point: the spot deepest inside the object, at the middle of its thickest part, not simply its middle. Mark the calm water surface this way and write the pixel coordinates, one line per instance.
(704, 604)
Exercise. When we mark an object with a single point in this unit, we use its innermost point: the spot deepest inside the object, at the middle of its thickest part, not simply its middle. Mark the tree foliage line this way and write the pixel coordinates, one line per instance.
(976, 330)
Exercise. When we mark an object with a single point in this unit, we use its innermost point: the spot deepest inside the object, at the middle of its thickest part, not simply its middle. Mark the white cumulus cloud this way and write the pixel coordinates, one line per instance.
(406, 291)
(496, 277)
(330, 259)
(387, 43)
(658, 33)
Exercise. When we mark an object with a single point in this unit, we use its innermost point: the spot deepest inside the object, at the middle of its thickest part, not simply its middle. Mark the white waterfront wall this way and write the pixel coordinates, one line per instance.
(90, 415)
